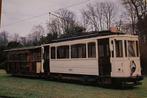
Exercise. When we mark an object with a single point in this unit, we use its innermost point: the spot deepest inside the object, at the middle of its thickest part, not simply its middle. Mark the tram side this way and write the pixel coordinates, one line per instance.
(74, 57)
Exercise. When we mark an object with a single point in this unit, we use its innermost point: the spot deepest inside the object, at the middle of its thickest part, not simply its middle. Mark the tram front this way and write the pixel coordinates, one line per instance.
(125, 59)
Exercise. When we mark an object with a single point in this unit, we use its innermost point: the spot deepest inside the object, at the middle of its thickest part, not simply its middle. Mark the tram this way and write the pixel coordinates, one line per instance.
(106, 57)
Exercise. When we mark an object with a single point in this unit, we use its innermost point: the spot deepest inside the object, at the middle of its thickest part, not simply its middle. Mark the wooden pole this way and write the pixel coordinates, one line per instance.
(0, 10)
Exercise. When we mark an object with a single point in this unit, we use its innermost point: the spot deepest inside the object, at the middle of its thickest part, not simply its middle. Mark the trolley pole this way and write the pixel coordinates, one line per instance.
(50, 13)
(60, 17)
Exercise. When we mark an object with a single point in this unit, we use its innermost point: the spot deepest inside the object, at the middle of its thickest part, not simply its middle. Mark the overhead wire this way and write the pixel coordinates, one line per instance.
(22, 20)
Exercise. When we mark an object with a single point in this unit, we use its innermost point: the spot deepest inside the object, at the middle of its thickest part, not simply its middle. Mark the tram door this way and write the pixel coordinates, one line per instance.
(46, 60)
(104, 57)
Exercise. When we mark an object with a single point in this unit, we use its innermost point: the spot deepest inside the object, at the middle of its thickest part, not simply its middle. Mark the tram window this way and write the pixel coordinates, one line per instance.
(131, 49)
(91, 50)
(62, 52)
(52, 52)
(119, 48)
(74, 52)
(78, 51)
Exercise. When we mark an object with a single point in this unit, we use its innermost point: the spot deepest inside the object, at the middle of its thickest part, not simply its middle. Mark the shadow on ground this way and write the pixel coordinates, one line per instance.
(78, 82)
(6, 97)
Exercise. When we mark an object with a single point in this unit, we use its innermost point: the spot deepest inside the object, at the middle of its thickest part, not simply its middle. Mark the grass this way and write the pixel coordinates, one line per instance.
(15, 87)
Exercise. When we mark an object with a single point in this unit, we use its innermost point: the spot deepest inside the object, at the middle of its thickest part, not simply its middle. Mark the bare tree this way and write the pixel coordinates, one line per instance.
(64, 22)
(85, 21)
(133, 19)
(90, 17)
(99, 11)
(137, 10)
(123, 23)
(67, 20)
(139, 7)
(16, 37)
(100, 15)
(54, 27)
(34, 38)
(38, 31)
(109, 12)
(23, 41)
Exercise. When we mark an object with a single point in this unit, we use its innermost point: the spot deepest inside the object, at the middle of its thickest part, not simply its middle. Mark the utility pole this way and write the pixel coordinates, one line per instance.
(0, 10)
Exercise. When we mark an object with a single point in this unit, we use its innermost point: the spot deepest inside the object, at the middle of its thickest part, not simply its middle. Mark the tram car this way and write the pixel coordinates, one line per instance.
(106, 57)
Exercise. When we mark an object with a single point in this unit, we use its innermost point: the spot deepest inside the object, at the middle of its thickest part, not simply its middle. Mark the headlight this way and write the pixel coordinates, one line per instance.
(133, 67)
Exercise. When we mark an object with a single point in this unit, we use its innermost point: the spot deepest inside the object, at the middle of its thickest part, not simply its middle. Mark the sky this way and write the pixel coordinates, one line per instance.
(19, 16)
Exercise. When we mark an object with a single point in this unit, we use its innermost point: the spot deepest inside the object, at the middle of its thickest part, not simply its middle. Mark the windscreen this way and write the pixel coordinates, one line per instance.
(132, 49)
(119, 48)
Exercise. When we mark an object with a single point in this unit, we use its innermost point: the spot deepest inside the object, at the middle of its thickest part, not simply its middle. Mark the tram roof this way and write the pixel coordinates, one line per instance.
(68, 37)
(23, 48)
(82, 35)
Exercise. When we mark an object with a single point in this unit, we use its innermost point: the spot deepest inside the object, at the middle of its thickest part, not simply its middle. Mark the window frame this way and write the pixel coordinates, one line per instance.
(63, 50)
(121, 55)
(134, 47)
(90, 50)
(77, 47)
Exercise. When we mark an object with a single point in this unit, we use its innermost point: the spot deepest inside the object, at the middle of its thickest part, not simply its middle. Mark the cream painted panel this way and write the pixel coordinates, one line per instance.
(38, 67)
(119, 68)
(76, 66)
(42, 62)
(124, 66)
(83, 71)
